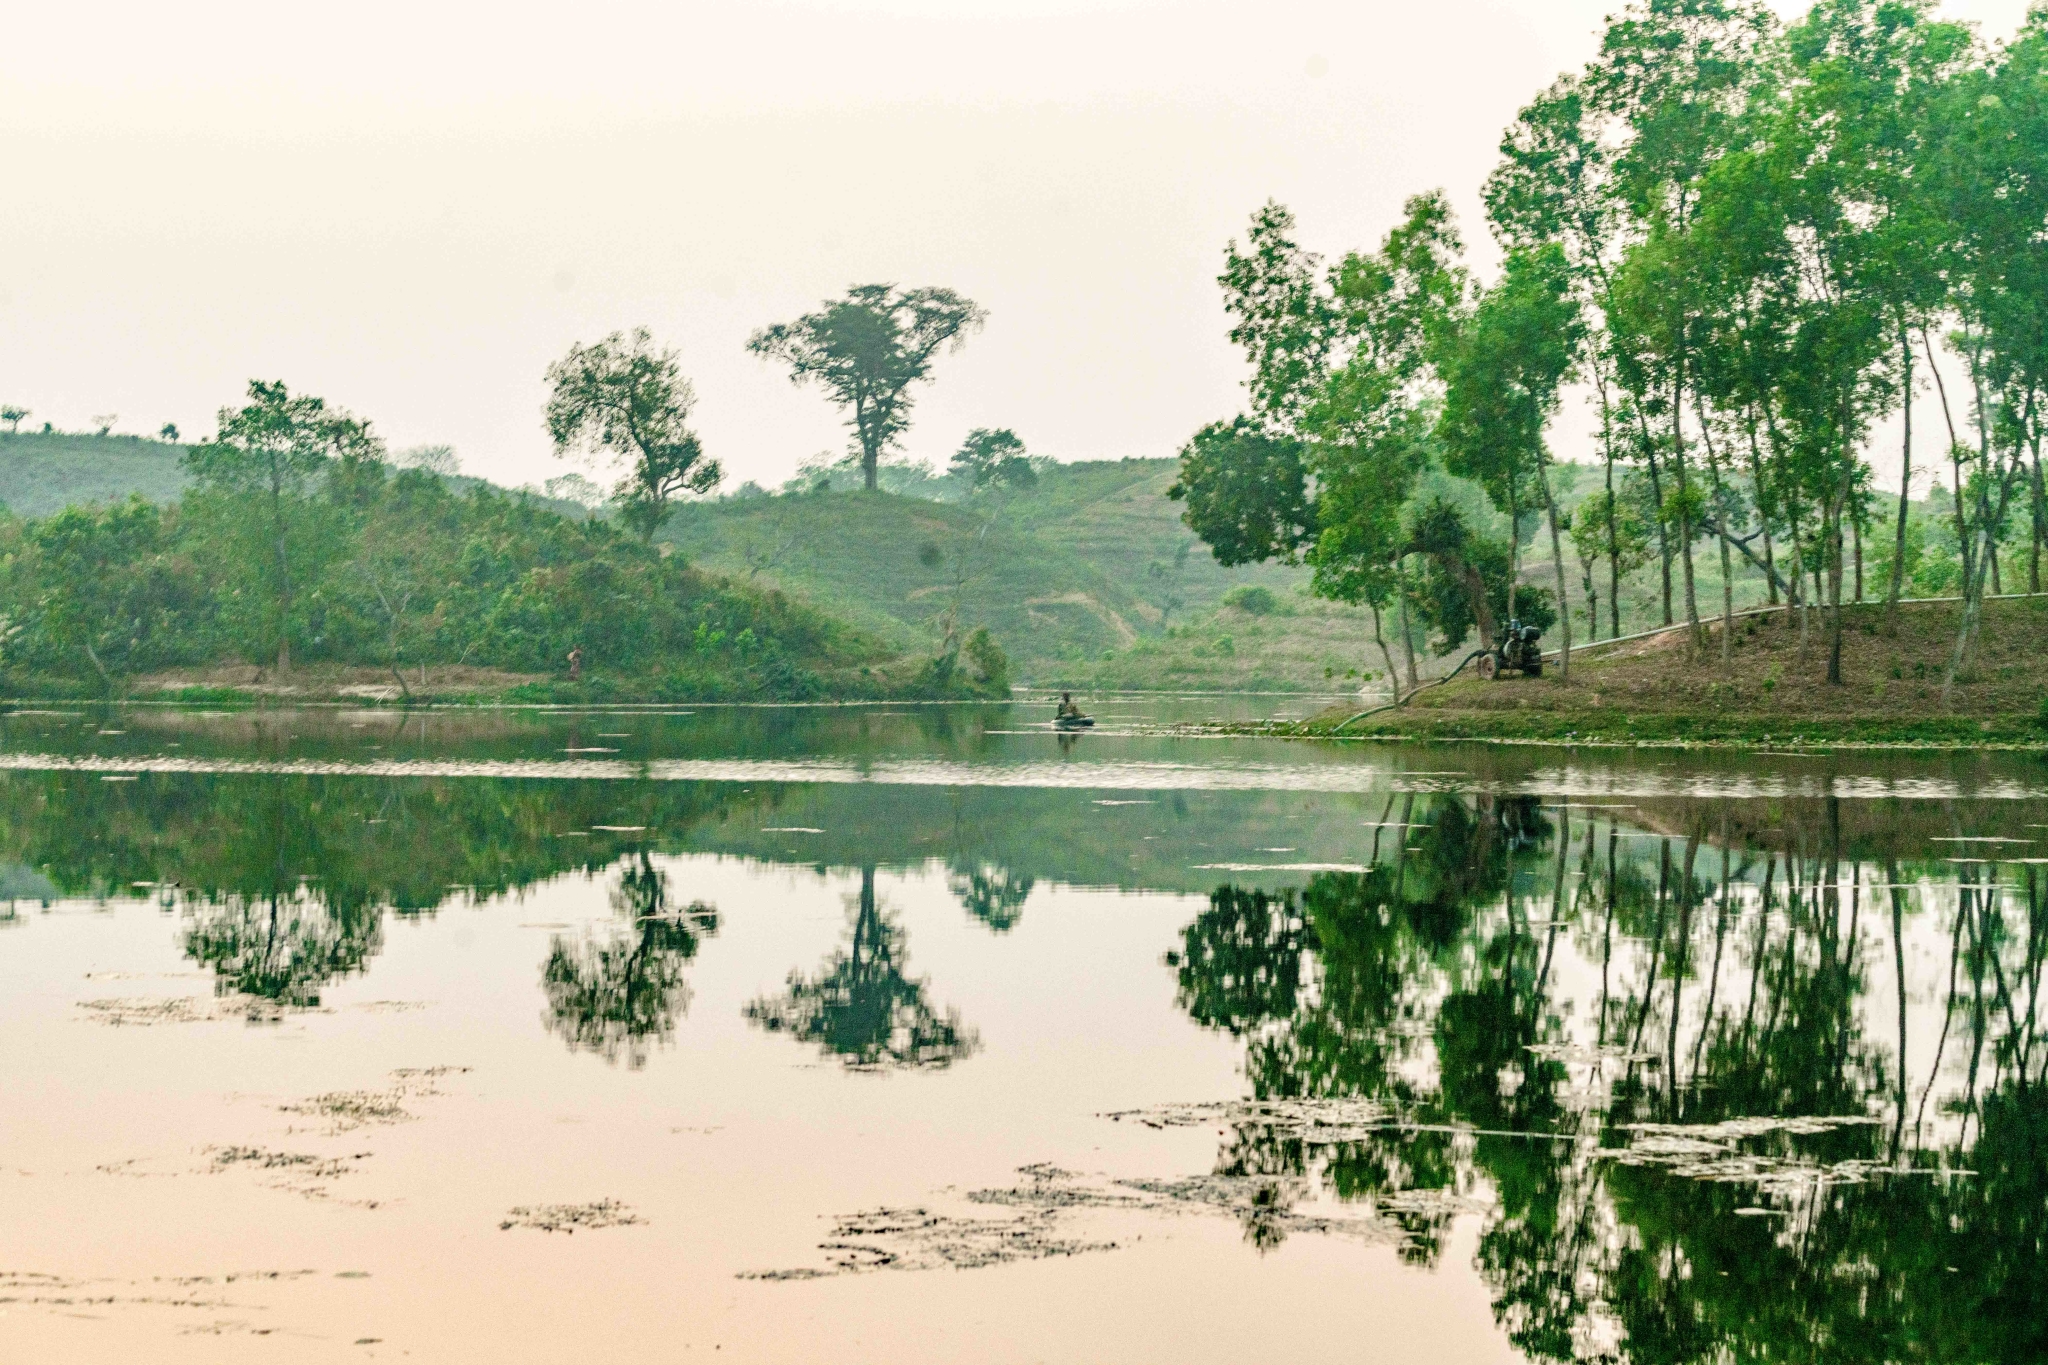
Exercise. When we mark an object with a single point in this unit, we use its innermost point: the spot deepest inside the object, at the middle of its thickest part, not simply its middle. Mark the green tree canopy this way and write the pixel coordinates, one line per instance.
(621, 398)
(867, 350)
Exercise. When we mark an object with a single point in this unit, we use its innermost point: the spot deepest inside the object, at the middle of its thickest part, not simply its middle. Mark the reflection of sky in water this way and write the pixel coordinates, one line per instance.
(1331, 1045)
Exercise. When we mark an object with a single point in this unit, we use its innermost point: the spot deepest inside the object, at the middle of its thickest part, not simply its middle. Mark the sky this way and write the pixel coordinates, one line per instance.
(410, 209)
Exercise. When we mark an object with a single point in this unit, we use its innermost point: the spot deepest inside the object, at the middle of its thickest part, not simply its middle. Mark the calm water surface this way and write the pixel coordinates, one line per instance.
(905, 1034)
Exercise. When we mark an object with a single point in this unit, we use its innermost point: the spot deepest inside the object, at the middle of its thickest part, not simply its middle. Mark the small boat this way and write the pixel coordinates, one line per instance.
(1073, 722)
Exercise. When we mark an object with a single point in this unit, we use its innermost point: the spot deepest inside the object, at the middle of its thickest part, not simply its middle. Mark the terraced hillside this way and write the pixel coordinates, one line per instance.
(1093, 561)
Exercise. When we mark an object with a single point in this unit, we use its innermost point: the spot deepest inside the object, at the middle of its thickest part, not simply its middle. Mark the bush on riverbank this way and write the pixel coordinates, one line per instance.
(393, 571)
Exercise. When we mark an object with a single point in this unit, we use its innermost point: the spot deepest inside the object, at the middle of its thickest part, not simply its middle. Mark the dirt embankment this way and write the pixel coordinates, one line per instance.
(1773, 685)
(330, 682)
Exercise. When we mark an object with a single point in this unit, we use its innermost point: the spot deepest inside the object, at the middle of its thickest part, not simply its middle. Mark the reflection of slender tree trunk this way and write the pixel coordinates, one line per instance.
(1381, 827)
(1757, 963)
(1557, 910)
(1972, 910)
(1692, 848)
(1948, 1014)
(1656, 944)
(1401, 858)
(1714, 978)
(1898, 893)
(1607, 928)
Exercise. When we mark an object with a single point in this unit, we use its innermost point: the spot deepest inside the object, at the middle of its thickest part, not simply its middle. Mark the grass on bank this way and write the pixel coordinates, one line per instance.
(1773, 690)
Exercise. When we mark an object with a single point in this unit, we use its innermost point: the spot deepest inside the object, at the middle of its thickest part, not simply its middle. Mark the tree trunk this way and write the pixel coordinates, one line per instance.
(2040, 530)
(99, 667)
(1796, 598)
(284, 608)
(1613, 531)
(1564, 608)
(1685, 533)
(1379, 638)
(1514, 545)
(1856, 527)
(1897, 585)
(1408, 641)
(1837, 545)
(1721, 529)
(1763, 518)
(1657, 493)
(1963, 546)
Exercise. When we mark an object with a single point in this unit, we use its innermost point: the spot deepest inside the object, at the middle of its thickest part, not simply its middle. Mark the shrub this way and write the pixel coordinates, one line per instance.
(1252, 599)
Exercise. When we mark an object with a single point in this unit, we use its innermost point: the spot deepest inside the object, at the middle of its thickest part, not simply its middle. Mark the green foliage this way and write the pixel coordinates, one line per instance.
(993, 459)
(620, 398)
(1502, 372)
(866, 350)
(397, 571)
(1253, 599)
(1247, 493)
(262, 463)
(991, 665)
(103, 586)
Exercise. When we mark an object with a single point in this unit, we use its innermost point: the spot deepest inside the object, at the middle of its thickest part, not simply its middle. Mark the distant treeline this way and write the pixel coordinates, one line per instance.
(298, 543)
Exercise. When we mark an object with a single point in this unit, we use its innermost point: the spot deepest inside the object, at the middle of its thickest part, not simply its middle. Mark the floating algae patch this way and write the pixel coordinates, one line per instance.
(570, 1218)
(145, 1011)
(1046, 1201)
(1310, 1120)
(915, 1238)
(1711, 1152)
(301, 1173)
(350, 1109)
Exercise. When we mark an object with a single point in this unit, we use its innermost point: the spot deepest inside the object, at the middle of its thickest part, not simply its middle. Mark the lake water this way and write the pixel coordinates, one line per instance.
(904, 1034)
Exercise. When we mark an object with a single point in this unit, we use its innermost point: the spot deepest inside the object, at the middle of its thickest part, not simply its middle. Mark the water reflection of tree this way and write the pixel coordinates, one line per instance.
(283, 945)
(273, 931)
(862, 1007)
(621, 994)
(1732, 981)
(992, 894)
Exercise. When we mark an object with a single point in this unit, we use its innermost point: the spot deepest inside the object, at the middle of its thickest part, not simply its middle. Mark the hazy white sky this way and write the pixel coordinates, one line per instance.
(411, 208)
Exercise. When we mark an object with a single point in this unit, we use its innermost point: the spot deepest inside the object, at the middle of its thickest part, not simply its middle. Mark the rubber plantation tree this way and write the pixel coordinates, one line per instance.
(1553, 188)
(1503, 370)
(265, 456)
(1668, 92)
(1324, 468)
(1993, 174)
(623, 400)
(1370, 425)
(867, 351)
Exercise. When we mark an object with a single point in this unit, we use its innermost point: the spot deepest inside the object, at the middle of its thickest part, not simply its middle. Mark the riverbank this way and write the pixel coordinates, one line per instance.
(901, 679)
(1771, 691)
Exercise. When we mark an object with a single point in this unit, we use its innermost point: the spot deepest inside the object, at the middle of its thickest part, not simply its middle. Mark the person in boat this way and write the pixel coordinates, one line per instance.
(1067, 711)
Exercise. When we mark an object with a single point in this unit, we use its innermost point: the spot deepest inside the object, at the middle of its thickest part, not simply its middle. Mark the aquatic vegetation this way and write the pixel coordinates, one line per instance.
(571, 1218)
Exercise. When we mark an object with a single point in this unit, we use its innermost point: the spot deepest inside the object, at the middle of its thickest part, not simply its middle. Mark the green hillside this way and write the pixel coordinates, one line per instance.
(1092, 561)
(43, 473)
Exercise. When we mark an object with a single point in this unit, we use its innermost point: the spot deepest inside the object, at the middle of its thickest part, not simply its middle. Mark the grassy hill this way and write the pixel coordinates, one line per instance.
(1087, 579)
(44, 473)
